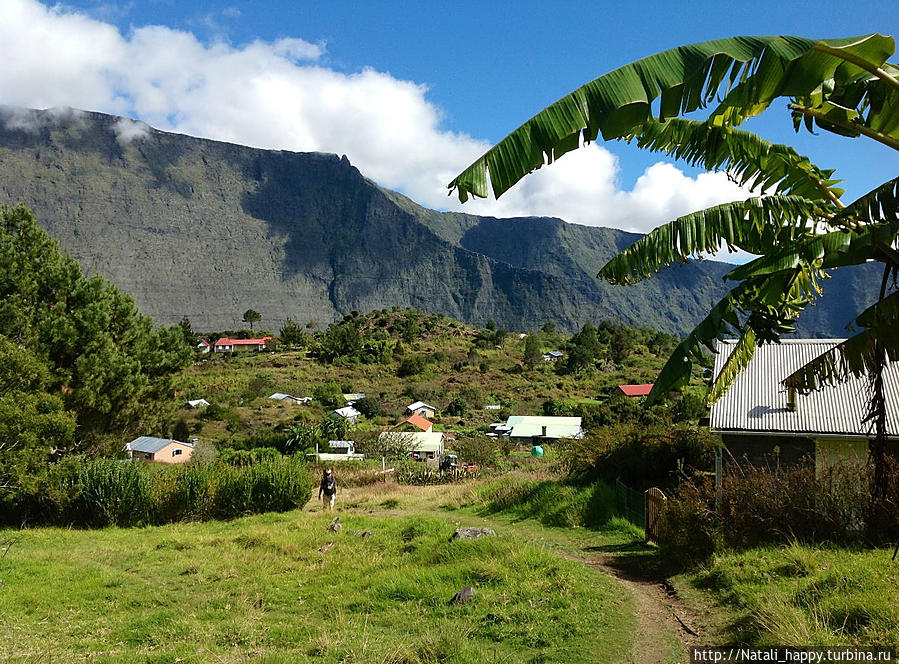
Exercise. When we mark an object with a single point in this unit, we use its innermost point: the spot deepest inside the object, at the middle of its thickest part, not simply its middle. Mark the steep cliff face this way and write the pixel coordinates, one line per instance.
(206, 229)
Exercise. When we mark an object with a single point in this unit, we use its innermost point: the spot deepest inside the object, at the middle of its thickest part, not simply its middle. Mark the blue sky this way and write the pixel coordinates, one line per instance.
(462, 74)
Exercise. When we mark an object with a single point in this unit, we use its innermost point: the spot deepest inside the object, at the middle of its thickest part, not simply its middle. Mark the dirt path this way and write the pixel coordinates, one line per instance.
(667, 626)
(659, 610)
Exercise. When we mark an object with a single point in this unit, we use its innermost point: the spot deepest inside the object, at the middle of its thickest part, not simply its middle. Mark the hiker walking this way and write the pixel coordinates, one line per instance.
(327, 490)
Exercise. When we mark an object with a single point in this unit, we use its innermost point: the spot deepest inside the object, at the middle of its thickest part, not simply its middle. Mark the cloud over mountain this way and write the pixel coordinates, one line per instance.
(281, 95)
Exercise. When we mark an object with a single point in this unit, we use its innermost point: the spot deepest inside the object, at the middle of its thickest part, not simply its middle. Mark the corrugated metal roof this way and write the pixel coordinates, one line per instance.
(529, 426)
(417, 441)
(419, 404)
(347, 412)
(151, 445)
(757, 401)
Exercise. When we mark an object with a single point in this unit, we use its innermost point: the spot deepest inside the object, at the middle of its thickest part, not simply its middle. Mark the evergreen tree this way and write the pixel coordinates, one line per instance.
(532, 352)
(104, 359)
(291, 334)
(251, 316)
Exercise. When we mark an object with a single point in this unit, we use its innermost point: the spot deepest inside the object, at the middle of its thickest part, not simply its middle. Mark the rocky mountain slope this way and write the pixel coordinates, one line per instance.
(206, 229)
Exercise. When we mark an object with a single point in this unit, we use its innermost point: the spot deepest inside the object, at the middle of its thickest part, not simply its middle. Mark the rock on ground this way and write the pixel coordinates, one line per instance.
(472, 533)
(465, 595)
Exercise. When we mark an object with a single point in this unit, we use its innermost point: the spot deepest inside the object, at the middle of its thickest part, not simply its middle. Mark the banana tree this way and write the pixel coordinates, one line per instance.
(796, 223)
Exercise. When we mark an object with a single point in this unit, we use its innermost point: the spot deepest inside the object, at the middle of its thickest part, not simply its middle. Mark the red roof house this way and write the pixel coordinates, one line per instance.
(225, 345)
(416, 421)
(636, 391)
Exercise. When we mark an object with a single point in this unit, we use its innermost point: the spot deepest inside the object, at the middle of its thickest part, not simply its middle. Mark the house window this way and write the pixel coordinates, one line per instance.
(176, 452)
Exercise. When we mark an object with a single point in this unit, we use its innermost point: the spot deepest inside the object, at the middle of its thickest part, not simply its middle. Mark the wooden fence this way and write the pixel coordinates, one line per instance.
(655, 500)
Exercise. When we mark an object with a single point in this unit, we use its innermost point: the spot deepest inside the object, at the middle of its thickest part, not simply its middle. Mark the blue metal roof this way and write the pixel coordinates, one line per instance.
(151, 445)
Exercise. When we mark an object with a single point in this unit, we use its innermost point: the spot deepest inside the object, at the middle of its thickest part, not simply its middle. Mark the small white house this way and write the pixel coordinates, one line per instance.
(280, 396)
(421, 408)
(348, 413)
(763, 423)
(421, 445)
(196, 403)
(353, 397)
(341, 450)
(534, 430)
(553, 356)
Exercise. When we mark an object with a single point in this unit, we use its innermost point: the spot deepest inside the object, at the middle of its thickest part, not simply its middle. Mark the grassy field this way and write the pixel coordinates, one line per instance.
(802, 595)
(266, 588)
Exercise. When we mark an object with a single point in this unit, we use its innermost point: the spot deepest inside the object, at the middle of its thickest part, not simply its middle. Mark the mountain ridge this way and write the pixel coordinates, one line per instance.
(207, 229)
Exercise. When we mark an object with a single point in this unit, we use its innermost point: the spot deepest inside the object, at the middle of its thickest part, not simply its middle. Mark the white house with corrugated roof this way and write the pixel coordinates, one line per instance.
(764, 424)
(421, 445)
(422, 409)
(534, 430)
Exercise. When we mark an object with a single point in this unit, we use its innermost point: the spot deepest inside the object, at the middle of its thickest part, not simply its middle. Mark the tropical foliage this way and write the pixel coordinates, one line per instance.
(796, 223)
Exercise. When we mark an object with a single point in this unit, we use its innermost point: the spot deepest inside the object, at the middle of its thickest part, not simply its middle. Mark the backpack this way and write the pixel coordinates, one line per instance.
(329, 485)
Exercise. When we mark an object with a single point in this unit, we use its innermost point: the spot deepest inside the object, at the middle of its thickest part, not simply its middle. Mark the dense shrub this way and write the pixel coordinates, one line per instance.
(686, 529)
(104, 492)
(417, 473)
(782, 505)
(369, 406)
(480, 449)
(412, 365)
(274, 438)
(457, 407)
(328, 394)
(641, 456)
(758, 507)
(234, 457)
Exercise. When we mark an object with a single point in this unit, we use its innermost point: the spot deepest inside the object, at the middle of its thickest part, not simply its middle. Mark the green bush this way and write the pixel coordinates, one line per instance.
(412, 365)
(328, 394)
(107, 492)
(641, 456)
(369, 406)
(236, 457)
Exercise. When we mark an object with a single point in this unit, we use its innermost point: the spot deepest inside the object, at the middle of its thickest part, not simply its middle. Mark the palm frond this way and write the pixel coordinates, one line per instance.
(827, 250)
(774, 302)
(748, 158)
(721, 319)
(684, 79)
(880, 204)
(855, 356)
(738, 360)
(751, 225)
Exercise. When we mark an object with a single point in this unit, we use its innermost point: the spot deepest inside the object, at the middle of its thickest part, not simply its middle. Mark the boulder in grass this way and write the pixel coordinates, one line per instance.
(462, 597)
(472, 533)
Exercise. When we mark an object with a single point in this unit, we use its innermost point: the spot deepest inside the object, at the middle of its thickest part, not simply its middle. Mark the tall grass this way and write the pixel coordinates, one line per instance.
(103, 492)
(554, 503)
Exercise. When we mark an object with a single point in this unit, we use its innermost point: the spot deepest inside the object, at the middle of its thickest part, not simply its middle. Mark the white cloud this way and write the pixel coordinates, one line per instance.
(127, 130)
(277, 95)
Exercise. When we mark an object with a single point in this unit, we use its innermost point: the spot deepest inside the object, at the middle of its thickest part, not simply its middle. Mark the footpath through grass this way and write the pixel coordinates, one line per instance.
(264, 588)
